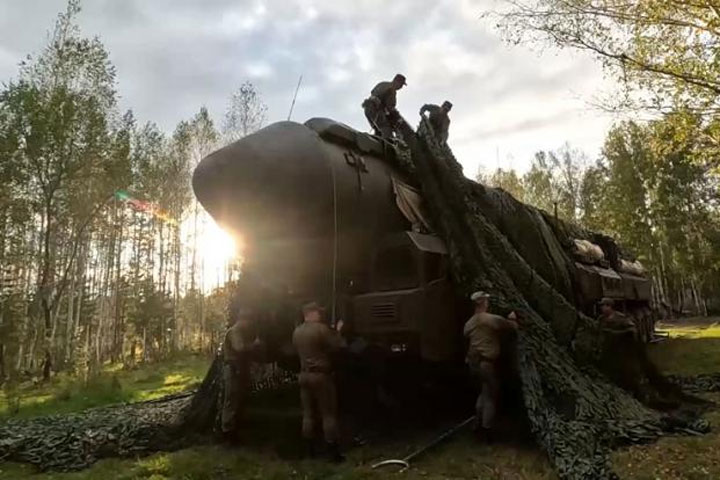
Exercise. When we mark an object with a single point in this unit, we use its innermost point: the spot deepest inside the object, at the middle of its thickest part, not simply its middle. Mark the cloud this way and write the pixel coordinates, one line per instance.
(173, 56)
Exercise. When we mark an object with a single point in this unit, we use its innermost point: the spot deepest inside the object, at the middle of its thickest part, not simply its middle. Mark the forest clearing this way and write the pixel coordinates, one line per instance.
(693, 348)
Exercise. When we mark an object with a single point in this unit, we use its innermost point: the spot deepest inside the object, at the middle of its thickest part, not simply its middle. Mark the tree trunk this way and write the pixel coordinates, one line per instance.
(46, 300)
(145, 345)
(118, 330)
(2, 363)
(47, 360)
(696, 298)
(176, 292)
(193, 264)
(70, 324)
(19, 358)
(161, 270)
(47, 365)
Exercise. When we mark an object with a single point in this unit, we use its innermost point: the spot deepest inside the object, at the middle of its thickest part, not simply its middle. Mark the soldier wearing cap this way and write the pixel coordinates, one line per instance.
(380, 106)
(484, 331)
(613, 322)
(237, 351)
(316, 343)
(623, 359)
(438, 118)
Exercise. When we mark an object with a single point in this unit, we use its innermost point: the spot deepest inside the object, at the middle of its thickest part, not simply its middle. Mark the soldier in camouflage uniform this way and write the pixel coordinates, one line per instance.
(316, 343)
(439, 119)
(622, 357)
(380, 106)
(484, 332)
(237, 350)
(613, 322)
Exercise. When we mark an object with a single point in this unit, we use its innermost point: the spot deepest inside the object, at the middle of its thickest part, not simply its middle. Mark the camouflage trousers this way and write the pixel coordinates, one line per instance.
(378, 119)
(484, 372)
(319, 402)
(237, 381)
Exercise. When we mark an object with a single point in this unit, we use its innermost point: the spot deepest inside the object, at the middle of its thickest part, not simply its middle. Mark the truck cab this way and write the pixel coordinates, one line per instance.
(411, 307)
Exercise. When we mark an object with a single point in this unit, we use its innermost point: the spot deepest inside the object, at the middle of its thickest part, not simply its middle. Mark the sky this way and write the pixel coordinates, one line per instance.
(174, 56)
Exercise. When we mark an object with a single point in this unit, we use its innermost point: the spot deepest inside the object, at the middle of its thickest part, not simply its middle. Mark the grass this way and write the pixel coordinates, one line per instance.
(63, 394)
(461, 458)
(674, 458)
(692, 348)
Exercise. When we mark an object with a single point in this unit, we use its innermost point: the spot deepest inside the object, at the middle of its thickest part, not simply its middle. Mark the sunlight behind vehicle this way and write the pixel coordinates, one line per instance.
(217, 253)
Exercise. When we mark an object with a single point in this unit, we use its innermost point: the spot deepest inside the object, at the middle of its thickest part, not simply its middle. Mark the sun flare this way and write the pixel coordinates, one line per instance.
(216, 245)
(217, 250)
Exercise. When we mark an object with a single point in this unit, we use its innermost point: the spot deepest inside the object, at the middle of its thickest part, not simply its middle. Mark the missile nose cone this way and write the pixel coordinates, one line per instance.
(273, 183)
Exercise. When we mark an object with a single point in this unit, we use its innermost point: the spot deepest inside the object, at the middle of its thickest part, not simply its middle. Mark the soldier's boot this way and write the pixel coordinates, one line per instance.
(333, 451)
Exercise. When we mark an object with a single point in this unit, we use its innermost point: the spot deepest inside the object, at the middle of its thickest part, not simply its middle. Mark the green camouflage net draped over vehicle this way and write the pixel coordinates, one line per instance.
(577, 416)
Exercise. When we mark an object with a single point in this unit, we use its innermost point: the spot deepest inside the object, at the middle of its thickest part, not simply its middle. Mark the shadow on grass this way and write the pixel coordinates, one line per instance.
(271, 446)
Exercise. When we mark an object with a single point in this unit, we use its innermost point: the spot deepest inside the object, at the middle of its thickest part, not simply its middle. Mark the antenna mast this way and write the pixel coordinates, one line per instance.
(292, 105)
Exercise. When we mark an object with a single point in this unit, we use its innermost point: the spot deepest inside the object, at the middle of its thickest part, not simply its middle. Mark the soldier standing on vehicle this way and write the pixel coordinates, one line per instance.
(380, 106)
(439, 119)
(316, 343)
(484, 331)
(237, 350)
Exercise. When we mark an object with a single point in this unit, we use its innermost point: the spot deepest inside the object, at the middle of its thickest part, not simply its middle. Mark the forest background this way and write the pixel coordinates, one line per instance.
(105, 255)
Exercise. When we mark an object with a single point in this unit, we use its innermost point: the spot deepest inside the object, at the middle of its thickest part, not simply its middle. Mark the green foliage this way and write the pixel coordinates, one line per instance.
(508, 180)
(660, 197)
(554, 180)
(663, 51)
(113, 384)
(86, 277)
(654, 188)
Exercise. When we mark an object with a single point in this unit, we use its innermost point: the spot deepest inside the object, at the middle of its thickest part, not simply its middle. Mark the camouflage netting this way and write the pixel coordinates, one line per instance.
(703, 383)
(76, 441)
(576, 414)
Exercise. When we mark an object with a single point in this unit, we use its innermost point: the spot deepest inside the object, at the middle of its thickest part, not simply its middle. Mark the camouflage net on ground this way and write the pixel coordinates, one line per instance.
(576, 415)
(76, 441)
(703, 383)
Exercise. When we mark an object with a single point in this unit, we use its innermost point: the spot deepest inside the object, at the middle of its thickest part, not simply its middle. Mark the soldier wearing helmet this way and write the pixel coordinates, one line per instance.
(380, 106)
(438, 118)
